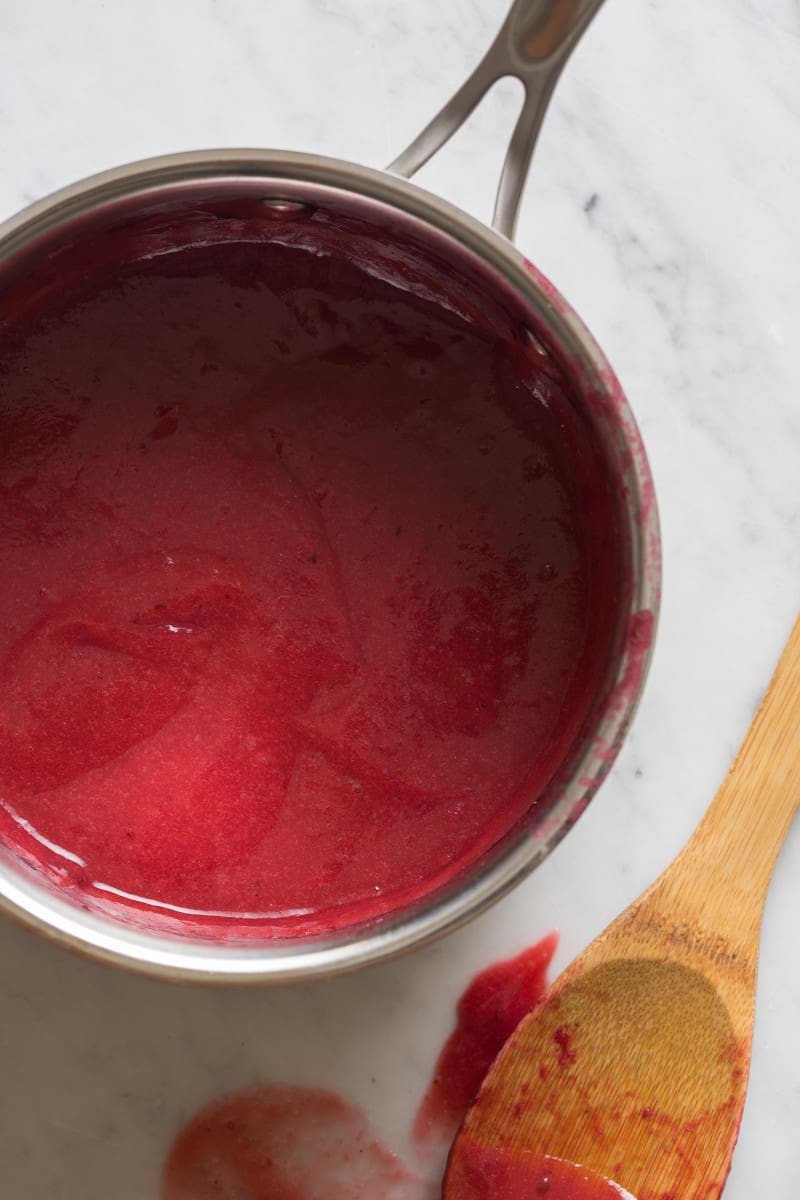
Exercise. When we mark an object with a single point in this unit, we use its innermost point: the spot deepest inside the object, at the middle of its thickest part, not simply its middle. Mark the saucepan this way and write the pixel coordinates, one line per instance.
(484, 272)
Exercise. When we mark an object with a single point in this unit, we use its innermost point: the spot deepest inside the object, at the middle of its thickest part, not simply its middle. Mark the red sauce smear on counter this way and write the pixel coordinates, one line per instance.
(294, 1143)
(283, 1143)
(308, 581)
(278, 1142)
(487, 1174)
(487, 1014)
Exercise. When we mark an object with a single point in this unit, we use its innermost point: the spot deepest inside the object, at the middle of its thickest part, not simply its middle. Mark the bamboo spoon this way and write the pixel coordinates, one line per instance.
(636, 1062)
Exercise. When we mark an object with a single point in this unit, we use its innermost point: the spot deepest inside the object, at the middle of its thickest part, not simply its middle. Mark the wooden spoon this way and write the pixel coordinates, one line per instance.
(635, 1065)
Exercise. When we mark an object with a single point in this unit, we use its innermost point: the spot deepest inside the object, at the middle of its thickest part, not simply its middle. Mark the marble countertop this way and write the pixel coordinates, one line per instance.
(664, 202)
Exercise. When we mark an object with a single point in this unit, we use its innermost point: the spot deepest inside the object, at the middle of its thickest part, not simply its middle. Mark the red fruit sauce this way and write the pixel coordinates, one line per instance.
(278, 1142)
(283, 1143)
(309, 573)
(487, 1014)
(486, 1174)
(293, 1143)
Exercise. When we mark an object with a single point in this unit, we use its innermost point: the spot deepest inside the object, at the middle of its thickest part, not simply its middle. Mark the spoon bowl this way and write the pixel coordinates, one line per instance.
(636, 1062)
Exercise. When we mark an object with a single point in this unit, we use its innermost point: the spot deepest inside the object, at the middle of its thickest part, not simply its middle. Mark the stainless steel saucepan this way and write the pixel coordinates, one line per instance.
(533, 45)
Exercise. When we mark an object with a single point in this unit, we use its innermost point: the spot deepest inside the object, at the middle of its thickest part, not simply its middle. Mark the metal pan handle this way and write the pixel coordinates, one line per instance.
(535, 41)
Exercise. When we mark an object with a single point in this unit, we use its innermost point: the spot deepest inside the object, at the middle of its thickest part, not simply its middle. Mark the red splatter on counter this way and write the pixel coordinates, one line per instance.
(283, 1143)
(308, 580)
(487, 1014)
(292, 1143)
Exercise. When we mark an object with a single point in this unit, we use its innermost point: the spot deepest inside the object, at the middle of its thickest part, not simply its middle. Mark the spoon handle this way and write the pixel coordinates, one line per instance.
(724, 870)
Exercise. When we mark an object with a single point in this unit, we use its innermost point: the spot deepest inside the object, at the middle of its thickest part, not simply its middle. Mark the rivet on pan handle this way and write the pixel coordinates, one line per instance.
(534, 43)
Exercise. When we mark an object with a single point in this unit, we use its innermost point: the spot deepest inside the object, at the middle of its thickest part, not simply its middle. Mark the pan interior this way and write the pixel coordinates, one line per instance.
(352, 406)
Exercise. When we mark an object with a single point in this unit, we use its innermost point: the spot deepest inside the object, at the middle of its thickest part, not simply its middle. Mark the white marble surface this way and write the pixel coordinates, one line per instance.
(683, 120)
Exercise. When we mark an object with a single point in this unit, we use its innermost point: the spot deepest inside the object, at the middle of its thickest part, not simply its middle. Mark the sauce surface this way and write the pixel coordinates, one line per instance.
(307, 584)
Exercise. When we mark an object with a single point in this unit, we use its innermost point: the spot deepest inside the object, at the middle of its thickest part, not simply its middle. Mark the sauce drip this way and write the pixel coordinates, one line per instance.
(487, 1014)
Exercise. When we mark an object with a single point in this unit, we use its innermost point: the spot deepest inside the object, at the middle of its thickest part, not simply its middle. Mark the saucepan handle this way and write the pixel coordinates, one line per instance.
(534, 43)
